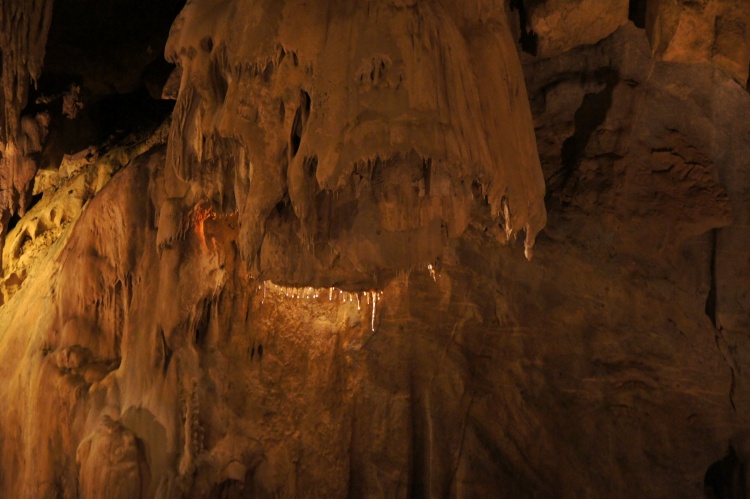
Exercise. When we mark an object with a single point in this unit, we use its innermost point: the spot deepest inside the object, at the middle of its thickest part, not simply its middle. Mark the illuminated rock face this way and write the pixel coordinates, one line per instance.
(363, 134)
(560, 25)
(714, 31)
(23, 33)
(303, 285)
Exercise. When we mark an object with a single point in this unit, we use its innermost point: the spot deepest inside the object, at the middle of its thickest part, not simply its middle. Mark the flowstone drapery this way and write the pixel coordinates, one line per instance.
(360, 135)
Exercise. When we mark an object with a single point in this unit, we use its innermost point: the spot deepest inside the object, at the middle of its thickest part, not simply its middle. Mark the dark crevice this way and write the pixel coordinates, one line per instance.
(637, 12)
(529, 40)
(311, 166)
(711, 299)
(300, 120)
(166, 351)
(34, 200)
(268, 72)
(427, 175)
(725, 479)
(14, 219)
(588, 118)
(282, 205)
(201, 328)
(296, 138)
(220, 84)
(207, 44)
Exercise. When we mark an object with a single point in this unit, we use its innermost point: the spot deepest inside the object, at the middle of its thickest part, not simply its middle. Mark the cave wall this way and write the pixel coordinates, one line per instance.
(316, 278)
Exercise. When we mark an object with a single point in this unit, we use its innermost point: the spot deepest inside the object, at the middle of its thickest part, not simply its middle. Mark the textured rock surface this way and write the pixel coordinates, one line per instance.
(23, 34)
(370, 130)
(204, 311)
(561, 25)
(716, 31)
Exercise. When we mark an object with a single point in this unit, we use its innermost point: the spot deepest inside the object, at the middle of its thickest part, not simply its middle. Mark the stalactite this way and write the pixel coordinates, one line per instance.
(431, 270)
(24, 25)
(269, 288)
(23, 33)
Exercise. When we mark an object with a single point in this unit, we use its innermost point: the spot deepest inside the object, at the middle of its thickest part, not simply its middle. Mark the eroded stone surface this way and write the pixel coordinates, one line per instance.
(147, 353)
(561, 25)
(715, 31)
(360, 140)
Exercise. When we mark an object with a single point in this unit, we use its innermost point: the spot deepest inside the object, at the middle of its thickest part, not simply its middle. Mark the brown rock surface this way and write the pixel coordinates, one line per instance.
(369, 145)
(715, 31)
(307, 283)
(561, 25)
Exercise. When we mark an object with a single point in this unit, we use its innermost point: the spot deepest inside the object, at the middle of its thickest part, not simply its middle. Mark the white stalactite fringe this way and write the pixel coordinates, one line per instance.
(431, 269)
(310, 293)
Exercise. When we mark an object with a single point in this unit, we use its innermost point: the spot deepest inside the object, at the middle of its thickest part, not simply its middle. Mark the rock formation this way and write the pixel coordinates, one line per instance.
(389, 248)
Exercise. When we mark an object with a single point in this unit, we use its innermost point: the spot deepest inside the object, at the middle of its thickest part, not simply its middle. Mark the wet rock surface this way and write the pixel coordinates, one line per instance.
(311, 280)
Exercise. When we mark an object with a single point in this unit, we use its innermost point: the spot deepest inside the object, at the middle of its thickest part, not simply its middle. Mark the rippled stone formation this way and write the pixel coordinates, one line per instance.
(294, 258)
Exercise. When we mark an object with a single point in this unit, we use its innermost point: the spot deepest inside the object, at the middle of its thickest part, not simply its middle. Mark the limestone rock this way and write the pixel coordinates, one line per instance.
(325, 126)
(23, 34)
(286, 290)
(715, 31)
(112, 463)
(561, 25)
